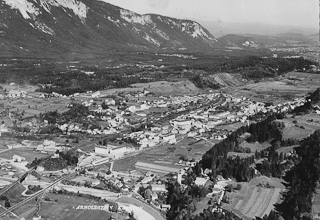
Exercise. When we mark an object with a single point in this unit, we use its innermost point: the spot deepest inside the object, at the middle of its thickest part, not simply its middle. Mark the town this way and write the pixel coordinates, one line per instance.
(122, 126)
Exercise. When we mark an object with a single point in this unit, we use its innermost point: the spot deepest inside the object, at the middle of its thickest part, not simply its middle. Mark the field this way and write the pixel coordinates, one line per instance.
(146, 209)
(232, 127)
(252, 146)
(14, 194)
(300, 127)
(25, 152)
(253, 200)
(228, 80)
(34, 106)
(255, 146)
(158, 88)
(6, 141)
(291, 85)
(169, 88)
(241, 155)
(166, 155)
(286, 149)
(316, 204)
(64, 207)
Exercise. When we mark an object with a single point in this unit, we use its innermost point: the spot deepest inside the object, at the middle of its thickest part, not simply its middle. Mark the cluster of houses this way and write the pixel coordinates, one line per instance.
(13, 94)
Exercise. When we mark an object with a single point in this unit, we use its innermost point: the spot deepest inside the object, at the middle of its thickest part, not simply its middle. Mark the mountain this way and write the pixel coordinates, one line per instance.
(220, 28)
(234, 40)
(291, 36)
(51, 27)
(314, 37)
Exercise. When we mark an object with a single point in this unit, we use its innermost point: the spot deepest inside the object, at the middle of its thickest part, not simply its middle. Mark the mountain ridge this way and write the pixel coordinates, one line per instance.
(42, 27)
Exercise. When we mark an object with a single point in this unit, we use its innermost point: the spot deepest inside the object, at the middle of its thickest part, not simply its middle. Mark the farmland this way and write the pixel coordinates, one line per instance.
(166, 154)
(25, 152)
(288, 86)
(63, 207)
(316, 204)
(300, 127)
(254, 200)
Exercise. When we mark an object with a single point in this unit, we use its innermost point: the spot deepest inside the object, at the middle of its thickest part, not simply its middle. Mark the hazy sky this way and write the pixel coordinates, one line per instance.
(303, 13)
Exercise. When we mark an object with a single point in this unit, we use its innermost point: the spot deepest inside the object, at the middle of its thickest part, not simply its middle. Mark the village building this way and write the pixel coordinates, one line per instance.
(112, 151)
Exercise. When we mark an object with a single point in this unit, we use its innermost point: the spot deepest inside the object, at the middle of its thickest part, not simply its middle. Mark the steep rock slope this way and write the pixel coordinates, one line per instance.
(40, 27)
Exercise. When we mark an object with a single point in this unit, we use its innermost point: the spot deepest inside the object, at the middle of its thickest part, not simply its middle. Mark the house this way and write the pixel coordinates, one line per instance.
(96, 94)
(16, 94)
(159, 188)
(17, 158)
(95, 182)
(201, 181)
(165, 207)
(147, 179)
(3, 129)
(171, 139)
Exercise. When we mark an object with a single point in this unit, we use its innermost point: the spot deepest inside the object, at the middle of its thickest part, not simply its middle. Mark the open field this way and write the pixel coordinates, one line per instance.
(68, 211)
(316, 204)
(14, 194)
(252, 146)
(241, 155)
(255, 146)
(64, 207)
(34, 106)
(166, 155)
(146, 208)
(229, 80)
(291, 85)
(158, 88)
(286, 149)
(25, 152)
(253, 200)
(169, 88)
(232, 127)
(300, 127)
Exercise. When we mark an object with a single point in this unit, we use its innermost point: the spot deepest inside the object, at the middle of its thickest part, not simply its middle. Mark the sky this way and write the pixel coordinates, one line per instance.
(297, 13)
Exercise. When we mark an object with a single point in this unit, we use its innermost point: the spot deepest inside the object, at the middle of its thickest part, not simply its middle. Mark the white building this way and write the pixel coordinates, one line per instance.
(201, 181)
(171, 139)
(17, 158)
(112, 151)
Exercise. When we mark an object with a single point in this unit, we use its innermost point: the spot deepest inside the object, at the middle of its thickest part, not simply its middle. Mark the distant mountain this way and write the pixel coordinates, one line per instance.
(50, 27)
(221, 28)
(291, 35)
(314, 37)
(264, 40)
(238, 41)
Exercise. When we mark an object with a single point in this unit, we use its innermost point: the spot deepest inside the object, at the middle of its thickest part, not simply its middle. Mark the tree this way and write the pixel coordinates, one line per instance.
(239, 186)
(7, 204)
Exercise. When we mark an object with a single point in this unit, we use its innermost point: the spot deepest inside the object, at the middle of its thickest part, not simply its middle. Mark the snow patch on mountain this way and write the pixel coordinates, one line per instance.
(77, 7)
(26, 8)
(137, 30)
(132, 17)
(191, 28)
(30, 11)
(162, 34)
(198, 31)
(151, 40)
(3, 25)
(115, 21)
(44, 28)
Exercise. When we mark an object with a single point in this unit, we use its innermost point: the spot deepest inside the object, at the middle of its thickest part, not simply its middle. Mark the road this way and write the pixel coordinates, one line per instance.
(17, 181)
(33, 196)
(81, 189)
(145, 207)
